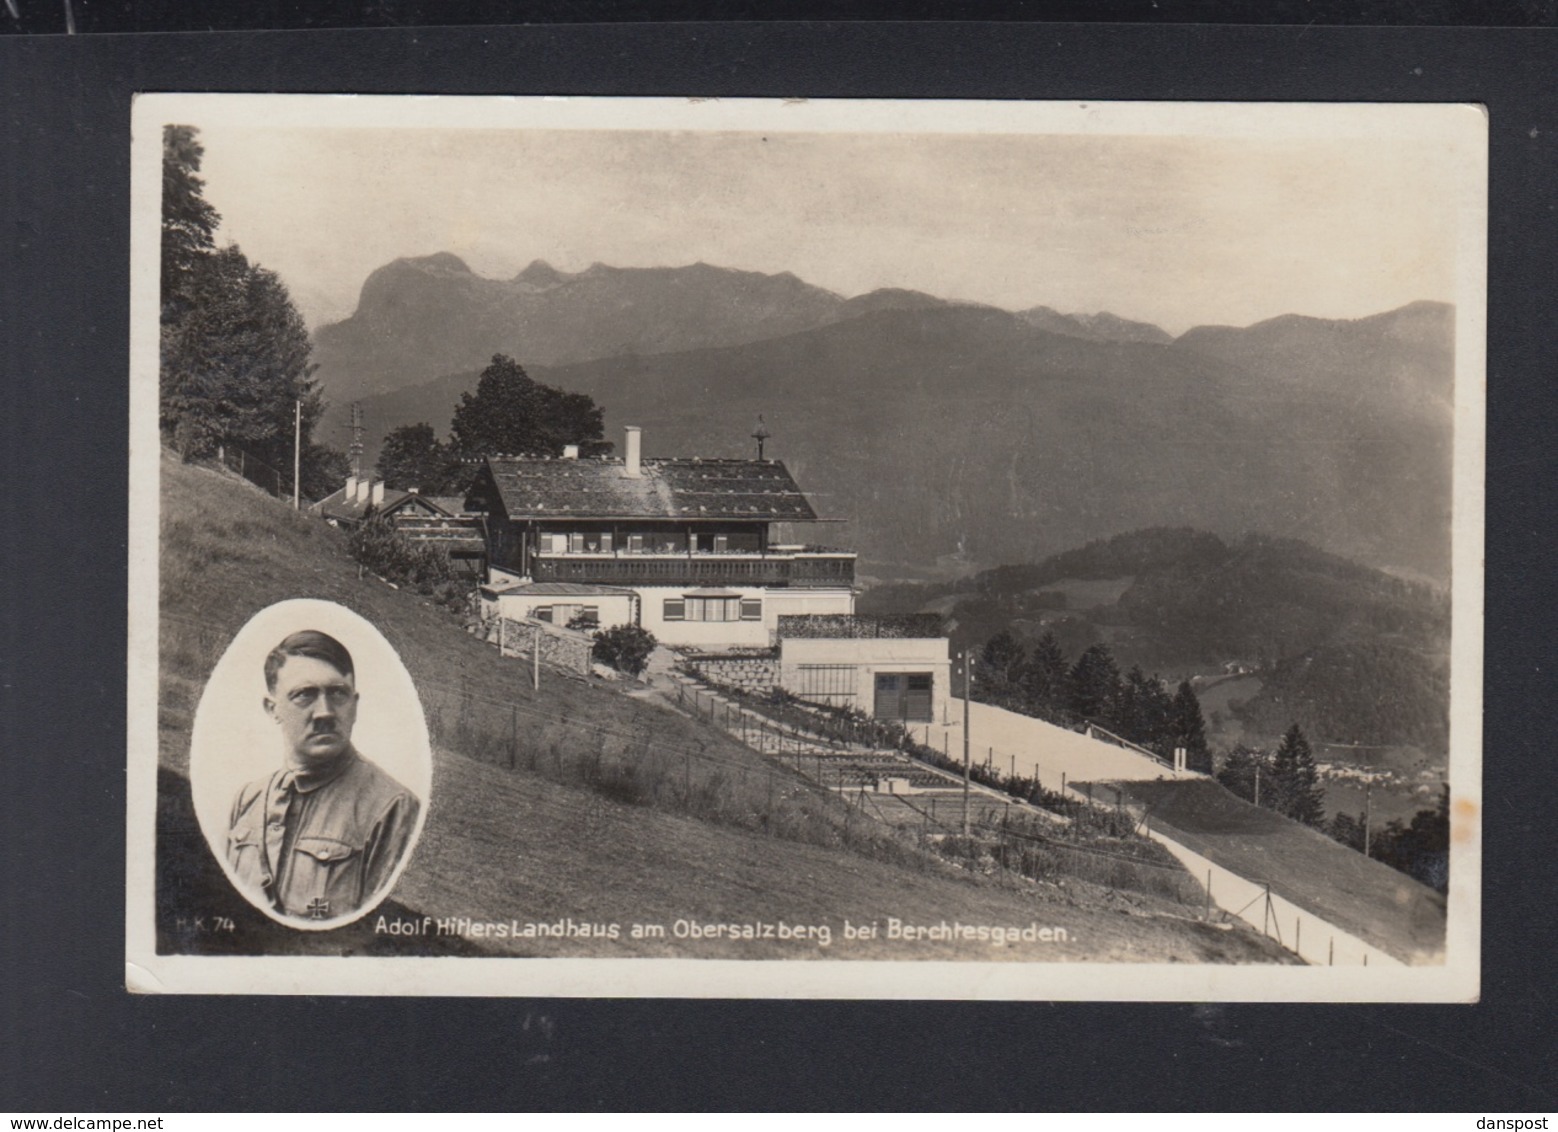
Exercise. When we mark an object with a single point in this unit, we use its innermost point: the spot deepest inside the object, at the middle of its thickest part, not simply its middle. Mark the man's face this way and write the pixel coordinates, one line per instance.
(315, 705)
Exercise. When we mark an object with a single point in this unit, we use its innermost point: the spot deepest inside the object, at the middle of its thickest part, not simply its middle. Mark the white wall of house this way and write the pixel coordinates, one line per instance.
(749, 617)
(611, 609)
(830, 670)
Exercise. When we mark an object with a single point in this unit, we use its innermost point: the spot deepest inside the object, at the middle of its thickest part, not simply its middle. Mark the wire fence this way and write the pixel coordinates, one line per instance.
(814, 745)
(256, 471)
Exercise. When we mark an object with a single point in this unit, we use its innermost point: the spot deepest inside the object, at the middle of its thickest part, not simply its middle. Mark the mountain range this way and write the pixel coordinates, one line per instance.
(952, 431)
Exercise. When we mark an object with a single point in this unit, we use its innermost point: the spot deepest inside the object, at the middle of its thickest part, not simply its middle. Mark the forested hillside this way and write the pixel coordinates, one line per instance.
(1354, 655)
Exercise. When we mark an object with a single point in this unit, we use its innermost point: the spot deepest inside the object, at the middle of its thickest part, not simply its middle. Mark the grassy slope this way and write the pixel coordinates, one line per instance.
(1371, 900)
(514, 843)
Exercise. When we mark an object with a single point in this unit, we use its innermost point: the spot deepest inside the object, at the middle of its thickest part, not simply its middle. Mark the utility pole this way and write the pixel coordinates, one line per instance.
(297, 454)
(1368, 813)
(968, 675)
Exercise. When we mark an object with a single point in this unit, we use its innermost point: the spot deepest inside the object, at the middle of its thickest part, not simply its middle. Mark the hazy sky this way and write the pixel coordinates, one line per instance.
(1173, 230)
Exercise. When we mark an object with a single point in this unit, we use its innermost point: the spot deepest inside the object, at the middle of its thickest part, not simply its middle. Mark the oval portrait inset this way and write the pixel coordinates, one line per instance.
(310, 764)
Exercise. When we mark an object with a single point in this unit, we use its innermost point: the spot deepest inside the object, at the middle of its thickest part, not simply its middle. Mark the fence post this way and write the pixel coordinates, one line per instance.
(513, 736)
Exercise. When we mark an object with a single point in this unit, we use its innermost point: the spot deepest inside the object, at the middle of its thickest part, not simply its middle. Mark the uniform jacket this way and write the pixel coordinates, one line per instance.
(321, 847)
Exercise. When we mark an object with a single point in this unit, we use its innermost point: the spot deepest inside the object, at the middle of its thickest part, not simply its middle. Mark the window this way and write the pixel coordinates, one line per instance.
(542, 613)
(635, 544)
(553, 543)
(675, 609)
(751, 609)
(721, 544)
(714, 608)
(827, 683)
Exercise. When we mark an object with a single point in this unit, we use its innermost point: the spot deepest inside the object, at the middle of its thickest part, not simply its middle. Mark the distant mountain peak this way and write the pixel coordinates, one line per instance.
(1100, 327)
(540, 274)
(445, 262)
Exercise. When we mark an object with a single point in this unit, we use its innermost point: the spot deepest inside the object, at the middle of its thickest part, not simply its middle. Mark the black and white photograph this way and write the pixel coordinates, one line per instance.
(817, 549)
(310, 796)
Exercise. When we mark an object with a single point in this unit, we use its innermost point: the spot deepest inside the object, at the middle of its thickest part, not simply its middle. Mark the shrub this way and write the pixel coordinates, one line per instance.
(378, 546)
(625, 647)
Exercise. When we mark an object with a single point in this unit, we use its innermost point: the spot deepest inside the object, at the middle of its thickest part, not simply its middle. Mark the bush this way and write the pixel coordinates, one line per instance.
(378, 546)
(625, 647)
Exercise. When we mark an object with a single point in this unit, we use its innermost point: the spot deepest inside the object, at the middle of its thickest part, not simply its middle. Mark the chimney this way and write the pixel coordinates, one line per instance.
(570, 452)
(378, 493)
(350, 492)
(632, 451)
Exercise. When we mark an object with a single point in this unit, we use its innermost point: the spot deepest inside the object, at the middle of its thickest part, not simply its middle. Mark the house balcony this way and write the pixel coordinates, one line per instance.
(779, 566)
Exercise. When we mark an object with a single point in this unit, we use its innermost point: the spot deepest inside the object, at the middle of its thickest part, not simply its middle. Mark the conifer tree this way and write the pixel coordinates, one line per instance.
(234, 352)
(1240, 771)
(1297, 790)
(1093, 686)
(1143, 713)
(1001, 661)
(1044, 677)
(1187, 728)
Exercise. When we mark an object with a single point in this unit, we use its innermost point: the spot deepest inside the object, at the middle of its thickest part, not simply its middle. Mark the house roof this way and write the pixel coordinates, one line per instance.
(449, 504)
(688, 489)
(337, 506)
(557, 589)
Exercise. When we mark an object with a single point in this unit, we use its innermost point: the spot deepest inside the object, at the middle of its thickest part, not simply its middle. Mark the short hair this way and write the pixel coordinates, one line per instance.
(310, 643)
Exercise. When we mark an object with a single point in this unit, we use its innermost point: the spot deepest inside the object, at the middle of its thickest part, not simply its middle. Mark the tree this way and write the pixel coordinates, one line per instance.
(1422, 849)
(1296, 789)
(236, 364)
(1240, 771)
(1186, 728)
(412, 457)
(188, 221)
(1348, 830)
(1044, 677)
(1001, 661)
(512, 414)
(1143, 710)
(324, 469)
(1093, 686)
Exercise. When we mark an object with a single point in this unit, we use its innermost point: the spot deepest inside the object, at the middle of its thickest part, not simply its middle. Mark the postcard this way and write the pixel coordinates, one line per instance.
(806, 549)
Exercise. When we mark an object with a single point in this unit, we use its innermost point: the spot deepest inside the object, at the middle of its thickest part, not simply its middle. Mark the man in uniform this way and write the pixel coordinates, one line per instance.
(321, 837)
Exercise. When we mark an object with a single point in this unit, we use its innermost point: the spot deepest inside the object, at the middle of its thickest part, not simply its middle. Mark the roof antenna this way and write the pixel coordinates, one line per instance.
(760, 434)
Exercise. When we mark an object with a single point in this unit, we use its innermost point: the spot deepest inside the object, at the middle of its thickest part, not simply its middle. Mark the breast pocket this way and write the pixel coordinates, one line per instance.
(246, 855)
(326, 878)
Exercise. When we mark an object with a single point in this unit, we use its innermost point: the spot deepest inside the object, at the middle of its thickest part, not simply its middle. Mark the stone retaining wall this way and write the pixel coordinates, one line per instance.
(751, 673)
(561, 648)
